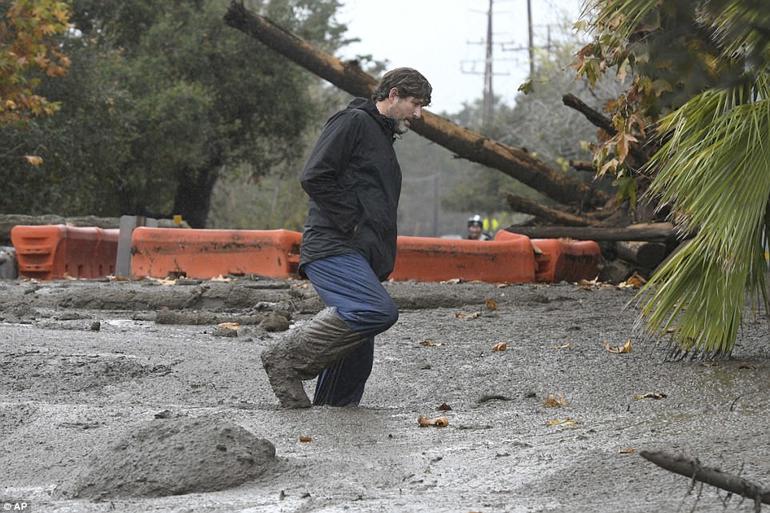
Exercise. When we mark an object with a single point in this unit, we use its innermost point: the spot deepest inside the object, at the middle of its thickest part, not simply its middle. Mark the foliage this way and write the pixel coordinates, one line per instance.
(704, 67)
(28, 49)
(164, 98)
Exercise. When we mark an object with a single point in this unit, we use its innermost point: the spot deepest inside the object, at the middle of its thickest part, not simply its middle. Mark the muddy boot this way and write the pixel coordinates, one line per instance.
(306, 351)
(284, 380)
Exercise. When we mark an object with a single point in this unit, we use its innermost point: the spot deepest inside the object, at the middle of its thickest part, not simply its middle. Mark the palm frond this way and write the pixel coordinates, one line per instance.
(714, 171)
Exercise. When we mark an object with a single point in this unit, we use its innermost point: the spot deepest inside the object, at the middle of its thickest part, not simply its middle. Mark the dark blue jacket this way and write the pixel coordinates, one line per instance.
(354, 183)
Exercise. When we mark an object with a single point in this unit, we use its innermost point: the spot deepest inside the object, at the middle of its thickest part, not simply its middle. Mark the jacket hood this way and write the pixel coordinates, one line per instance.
(368, 106)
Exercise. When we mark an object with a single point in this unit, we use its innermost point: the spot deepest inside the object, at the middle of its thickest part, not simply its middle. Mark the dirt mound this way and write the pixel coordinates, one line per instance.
(174, 457)
(39, 371)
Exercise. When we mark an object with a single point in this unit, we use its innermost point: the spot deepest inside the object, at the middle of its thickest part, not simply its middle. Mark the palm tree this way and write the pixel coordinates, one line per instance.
(712, 170)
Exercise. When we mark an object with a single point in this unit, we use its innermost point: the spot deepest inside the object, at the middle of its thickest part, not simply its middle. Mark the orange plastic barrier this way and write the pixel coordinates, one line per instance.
(160, 252)
(567, 260)
(49, 252)
(562, 259)
(433, 259)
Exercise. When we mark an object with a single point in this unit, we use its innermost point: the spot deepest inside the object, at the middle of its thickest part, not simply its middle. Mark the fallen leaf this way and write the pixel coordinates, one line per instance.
(424, 421)
(625, 348)
(555, 401)
(453, 281)
(627, 450)
(229, 326)
(566, 422)
(491, 304)
(33, 160)
(568, 345)
(589, 284)
(430, 343)
(467, 316)
(650, 395)
(634, 281)
(499, 347)
(305, 439)
(444, 407)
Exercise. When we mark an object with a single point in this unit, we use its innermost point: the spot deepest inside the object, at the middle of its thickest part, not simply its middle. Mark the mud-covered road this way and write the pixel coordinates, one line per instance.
(86, 363)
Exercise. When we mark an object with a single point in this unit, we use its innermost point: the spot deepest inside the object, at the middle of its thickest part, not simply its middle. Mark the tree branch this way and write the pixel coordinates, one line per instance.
(713, 476)
(596, 118)
(526, 206)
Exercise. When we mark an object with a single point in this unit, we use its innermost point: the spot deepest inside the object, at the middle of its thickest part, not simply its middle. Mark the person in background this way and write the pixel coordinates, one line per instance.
(476, 229)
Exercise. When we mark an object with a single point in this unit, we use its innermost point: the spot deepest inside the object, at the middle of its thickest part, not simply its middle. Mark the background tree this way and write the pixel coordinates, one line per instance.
(163, 99)
(703, 67)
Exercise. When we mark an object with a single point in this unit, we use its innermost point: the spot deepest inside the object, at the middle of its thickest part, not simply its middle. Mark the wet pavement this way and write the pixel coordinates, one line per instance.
(84, 363)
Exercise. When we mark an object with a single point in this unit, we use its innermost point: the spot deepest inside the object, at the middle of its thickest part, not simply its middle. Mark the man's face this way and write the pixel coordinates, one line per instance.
(404, 110)
(474, 232)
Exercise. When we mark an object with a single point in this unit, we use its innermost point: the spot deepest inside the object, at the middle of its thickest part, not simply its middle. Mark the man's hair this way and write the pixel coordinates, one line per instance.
(407, 81)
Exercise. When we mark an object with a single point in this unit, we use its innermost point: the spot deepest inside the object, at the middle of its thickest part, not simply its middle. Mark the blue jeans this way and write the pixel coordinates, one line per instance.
(348, 283)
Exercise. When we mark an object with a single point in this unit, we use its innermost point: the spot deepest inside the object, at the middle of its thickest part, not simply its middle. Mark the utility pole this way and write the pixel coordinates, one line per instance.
(531, 44)
(489, 95)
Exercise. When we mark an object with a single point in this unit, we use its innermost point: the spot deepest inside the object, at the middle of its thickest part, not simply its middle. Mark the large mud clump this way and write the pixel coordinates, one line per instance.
(174, 457)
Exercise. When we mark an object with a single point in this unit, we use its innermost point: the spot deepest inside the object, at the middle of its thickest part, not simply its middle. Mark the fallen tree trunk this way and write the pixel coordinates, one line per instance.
(644, 253)
(467, 144)
(651, 231)
(692, 469)
(527, 206)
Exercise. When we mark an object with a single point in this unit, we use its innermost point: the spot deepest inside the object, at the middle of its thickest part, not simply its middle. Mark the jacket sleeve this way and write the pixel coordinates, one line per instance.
(326, 177)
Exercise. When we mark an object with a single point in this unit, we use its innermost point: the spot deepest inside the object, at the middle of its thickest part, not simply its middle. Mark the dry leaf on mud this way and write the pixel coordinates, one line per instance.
(627, 450)
(491, 304)
(625, 348)
(305, 439)
(453, 281)
(424, 421)
(589, 284)
(165, 281)
(555, 401)
(633, 282)
(650, 395)
(430, 343)
(566, 422)
(499, 347)
(467, 316)
(444, 407)
(33, 160)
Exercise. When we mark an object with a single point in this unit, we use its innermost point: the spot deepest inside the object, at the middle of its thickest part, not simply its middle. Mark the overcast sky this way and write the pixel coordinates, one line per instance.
(441, 39)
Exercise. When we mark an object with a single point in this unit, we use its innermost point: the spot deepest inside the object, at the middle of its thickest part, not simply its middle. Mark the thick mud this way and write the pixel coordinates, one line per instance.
(69, 393)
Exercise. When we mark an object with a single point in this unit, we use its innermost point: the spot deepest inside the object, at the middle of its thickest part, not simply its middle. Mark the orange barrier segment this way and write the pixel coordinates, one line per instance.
(562, 259)
(566, 260)
(49, 252)
(160, 252)
(434, 259)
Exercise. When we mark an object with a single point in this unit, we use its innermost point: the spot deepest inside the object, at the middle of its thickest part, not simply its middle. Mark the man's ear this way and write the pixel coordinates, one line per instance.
(393, 94)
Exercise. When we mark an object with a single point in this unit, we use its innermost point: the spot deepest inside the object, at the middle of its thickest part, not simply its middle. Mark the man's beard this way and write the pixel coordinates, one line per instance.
(402, 126)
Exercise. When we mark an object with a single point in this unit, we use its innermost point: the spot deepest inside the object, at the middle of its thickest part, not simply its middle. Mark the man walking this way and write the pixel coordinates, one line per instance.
(348, 248)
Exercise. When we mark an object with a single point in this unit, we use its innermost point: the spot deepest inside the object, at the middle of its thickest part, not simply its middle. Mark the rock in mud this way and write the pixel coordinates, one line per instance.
(174, 457)
(275, 321)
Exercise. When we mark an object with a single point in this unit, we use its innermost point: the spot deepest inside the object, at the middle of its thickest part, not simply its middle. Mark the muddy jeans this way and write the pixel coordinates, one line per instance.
(348, 283)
